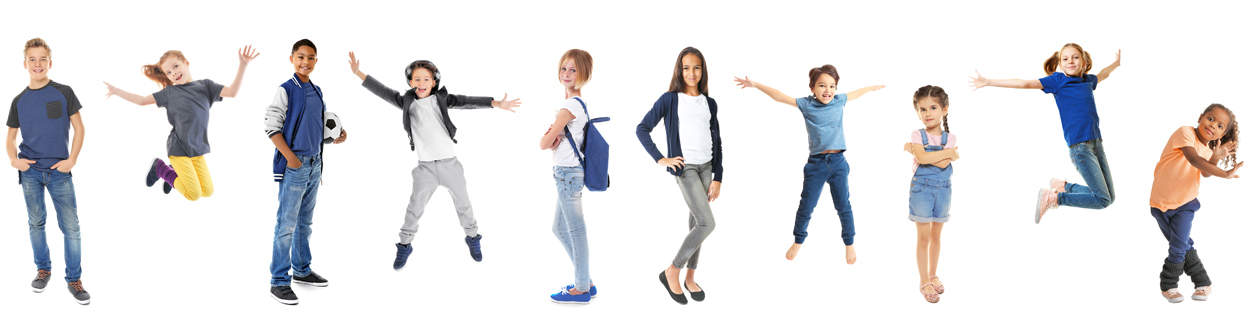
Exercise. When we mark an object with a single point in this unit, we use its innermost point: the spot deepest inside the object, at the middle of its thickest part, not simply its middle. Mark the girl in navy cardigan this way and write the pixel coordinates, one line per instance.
(689, 116)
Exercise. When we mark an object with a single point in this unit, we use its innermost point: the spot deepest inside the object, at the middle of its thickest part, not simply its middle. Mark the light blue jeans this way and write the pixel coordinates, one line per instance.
(297, 195)
(60, 187)
(569, 221)
(1088, 157)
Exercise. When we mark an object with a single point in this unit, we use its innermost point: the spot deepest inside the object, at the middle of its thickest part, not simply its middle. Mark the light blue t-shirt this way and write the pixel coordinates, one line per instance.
(824, 123)
(1077, 105)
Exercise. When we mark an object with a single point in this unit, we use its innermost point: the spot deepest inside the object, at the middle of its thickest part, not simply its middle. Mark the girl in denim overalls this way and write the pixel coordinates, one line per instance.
(929, 199)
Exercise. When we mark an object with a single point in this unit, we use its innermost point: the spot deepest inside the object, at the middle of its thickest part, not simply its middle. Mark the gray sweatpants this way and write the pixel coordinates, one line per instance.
(694, 181)
(428, 175)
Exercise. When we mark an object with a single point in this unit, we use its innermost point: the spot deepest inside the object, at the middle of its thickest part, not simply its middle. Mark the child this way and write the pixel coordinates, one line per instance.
(187, 104)
(1190, 154)
(694, 158)
(822, 113)
(933, 150)
(44, 112)
(294, 124)
(1076, 102)
(575, 70)
(426, 119)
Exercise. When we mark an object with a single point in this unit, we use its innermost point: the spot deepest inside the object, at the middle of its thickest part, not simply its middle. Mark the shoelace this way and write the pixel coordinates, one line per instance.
(77, 286)
(1172, 291)
(43, 275)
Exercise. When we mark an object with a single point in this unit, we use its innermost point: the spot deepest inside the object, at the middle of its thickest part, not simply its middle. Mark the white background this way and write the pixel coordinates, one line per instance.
(156, 260)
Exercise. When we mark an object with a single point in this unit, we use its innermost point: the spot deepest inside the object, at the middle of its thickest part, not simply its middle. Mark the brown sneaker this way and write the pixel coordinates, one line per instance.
(1172, 295)
(41, 280)
(1202, 293)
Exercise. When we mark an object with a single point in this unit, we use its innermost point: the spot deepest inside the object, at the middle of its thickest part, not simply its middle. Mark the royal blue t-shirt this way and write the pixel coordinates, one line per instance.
(1077, 105)
(43, 116)
(310, 129)
(824, 123)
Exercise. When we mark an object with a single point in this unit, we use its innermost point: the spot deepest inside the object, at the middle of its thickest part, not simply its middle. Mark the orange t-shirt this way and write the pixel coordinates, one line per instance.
(1175, 181)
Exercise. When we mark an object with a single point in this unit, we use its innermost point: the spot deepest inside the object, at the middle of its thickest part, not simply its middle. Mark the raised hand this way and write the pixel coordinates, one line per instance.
(1231, 174)
(353, 63)
(1118, 61)
(1225, 149)
(111, 90)
(744, 82)
(978, 82)
(248, 54)
(507, 105)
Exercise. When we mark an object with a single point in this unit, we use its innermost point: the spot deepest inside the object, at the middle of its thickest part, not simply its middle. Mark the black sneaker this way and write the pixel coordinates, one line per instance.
(403, 253)
(80, 295)
(473, 244)
(165, 188)
(313, 280)
(152, 173)
(41, 280)
(284, 295)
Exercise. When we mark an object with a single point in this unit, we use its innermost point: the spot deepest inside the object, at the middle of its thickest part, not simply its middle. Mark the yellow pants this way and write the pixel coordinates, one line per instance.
(194, 178)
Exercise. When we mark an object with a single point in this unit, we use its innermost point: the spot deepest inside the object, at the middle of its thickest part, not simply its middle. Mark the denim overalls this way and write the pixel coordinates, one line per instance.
(929, 199)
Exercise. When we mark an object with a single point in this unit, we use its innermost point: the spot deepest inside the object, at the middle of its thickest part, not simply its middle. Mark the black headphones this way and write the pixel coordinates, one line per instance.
(436, 73)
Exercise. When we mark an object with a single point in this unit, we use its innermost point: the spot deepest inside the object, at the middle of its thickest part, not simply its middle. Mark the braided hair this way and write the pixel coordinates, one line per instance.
(935, 92)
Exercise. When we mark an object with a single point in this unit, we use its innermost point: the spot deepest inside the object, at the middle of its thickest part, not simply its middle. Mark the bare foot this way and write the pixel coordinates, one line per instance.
(673, 274)
(850, 254)
(794, 250)
(689, 282)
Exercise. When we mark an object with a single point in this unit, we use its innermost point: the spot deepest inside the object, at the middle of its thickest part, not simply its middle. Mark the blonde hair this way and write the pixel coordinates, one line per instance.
(1050, 65)
(584, 65)
(37, 42)
(154, 71)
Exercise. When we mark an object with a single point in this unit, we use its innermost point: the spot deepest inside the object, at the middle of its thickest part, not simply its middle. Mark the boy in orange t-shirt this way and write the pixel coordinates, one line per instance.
(1190, 153)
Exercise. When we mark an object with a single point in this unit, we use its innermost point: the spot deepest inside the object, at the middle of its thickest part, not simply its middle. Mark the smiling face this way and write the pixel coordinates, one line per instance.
(1212, 125)
(691, 72)
(568, 74)
(825, 88)
(421, 80)
(176, 70)
(930, 112)
(1072, 61)
(303, 61)
(37, 62)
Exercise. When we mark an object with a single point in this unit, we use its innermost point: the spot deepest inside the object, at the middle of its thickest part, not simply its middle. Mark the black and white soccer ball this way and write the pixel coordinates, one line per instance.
(331, 127)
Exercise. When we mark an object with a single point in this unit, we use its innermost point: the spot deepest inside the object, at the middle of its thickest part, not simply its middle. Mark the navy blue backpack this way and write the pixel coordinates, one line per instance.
(596, 153)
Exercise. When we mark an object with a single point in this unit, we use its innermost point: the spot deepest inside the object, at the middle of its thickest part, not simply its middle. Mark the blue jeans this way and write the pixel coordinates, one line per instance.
(929, 200)
(1176, 225)
(569, 221)
(297, 193)
(1089, 159)
(821, 169)
(61, 188)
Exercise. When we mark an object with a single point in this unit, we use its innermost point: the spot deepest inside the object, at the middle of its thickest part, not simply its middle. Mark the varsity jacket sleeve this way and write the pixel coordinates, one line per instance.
(276, 112)
(455, 101)
(388, 94)
(717, 155)
(647, 125)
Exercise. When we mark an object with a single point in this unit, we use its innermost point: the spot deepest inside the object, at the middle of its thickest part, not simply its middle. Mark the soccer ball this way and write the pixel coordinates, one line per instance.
(331, 127)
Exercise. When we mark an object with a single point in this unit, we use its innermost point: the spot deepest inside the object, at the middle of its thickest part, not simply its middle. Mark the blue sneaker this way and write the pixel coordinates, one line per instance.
(403, 253)
(593, 290)
(473, 244)
(562, 297)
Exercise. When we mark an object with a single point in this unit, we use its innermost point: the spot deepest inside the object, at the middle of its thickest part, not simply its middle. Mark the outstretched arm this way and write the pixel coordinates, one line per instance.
(851, 96)
(981, 81)
(138, 100)
(777, 95)
(246, 54)
(1104, 74)
(560, 120)
(1206, 168)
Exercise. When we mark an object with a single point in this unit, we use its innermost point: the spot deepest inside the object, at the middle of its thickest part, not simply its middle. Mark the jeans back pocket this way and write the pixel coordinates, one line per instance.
(54, 109)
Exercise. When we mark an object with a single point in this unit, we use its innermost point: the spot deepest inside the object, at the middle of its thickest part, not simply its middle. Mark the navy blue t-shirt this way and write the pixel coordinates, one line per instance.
(43, 116)
(1077, 105)
(310, 129)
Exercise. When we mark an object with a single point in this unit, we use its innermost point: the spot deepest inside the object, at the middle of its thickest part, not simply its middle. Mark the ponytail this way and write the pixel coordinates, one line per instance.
(154, 71)
(1051, 64)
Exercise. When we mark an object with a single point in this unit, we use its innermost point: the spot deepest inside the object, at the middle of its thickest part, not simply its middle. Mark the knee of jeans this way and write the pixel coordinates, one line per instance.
(1105, 201)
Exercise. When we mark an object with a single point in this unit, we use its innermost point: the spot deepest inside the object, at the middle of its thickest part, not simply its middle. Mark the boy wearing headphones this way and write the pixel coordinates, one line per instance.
(425, 117)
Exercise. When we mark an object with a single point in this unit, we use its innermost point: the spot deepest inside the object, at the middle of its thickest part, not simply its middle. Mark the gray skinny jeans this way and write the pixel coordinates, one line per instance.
(694, 181)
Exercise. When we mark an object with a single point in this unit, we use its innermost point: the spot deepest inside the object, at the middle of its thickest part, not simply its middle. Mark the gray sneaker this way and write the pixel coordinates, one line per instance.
(80, 295)
(41, 280)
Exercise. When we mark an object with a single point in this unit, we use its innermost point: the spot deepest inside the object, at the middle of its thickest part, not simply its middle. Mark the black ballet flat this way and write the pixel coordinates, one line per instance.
(679, 298)
(698, 296)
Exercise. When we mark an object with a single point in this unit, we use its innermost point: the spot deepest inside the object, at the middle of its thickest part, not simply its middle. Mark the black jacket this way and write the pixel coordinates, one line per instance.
(444, 101)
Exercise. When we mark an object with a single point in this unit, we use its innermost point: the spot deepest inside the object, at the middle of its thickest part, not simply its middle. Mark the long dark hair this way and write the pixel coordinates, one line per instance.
(678, 82)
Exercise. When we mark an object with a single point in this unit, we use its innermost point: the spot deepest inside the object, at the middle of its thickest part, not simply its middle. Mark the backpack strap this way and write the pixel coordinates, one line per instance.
(568, 133)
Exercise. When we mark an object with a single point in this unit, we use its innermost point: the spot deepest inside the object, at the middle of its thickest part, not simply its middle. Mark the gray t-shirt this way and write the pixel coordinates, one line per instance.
(187, 108)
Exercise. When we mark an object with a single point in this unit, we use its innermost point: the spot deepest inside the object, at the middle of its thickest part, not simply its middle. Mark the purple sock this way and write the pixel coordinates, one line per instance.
(166, 172)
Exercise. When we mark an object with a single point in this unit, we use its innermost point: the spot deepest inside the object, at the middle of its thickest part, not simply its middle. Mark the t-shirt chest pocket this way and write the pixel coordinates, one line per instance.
(54, 109)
